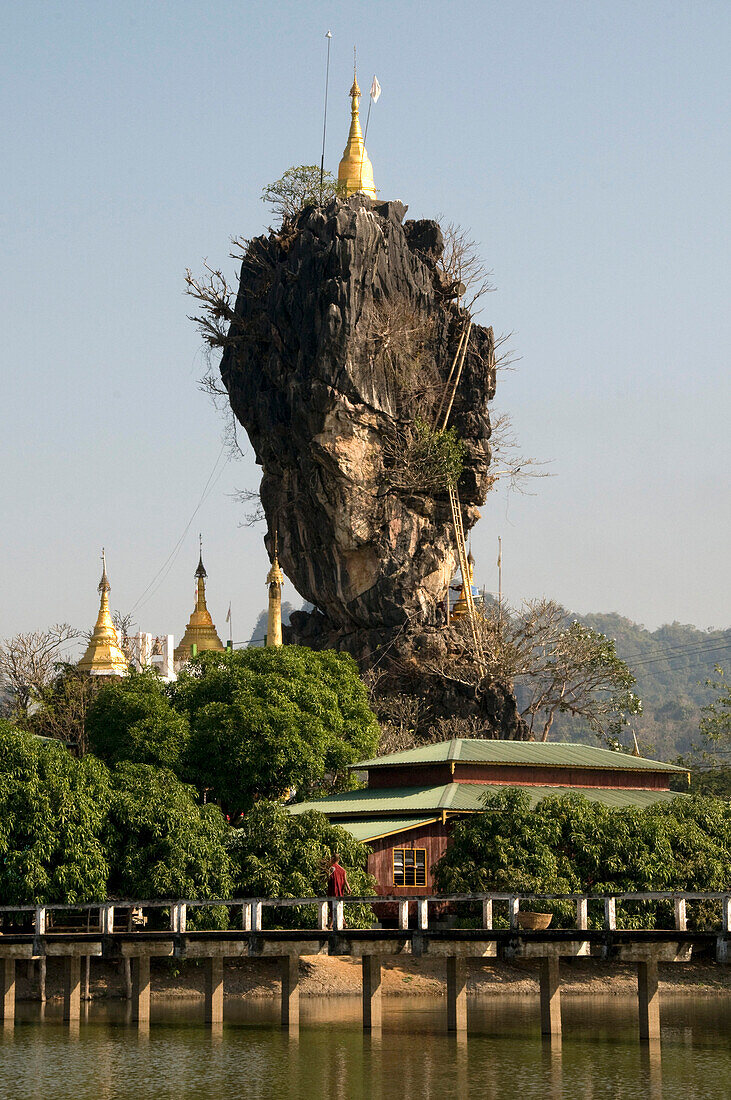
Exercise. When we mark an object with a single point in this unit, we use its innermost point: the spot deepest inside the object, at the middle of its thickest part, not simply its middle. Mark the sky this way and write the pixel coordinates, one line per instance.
(585, 145)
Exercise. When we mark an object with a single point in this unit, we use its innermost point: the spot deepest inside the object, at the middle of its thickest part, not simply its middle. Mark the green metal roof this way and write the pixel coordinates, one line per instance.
(538, 753)
(383, 826)
(387, 804)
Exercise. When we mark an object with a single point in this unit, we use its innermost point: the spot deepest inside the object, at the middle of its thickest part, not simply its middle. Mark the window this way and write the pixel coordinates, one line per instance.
(409, 866)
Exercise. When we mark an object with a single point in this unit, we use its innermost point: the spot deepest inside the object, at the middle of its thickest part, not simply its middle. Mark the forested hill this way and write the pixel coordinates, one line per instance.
(671, 665)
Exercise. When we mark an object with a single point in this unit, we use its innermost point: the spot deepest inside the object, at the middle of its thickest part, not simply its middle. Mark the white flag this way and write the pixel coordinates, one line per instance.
(228, 617)
(375, 90)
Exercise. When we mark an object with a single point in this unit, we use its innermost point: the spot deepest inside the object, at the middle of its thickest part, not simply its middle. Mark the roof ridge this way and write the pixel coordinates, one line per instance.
(455, 748)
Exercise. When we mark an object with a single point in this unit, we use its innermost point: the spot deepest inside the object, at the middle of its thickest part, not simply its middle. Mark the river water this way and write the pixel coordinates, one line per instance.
(106, 1057)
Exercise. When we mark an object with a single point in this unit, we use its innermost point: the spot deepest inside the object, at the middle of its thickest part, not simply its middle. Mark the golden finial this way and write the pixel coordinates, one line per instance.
(104, 656)
(200, 631)
(275, 580)
(355, 171)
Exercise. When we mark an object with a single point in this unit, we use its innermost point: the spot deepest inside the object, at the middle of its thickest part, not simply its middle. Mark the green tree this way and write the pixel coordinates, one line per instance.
(52, 815)
(133, 719)
(299, 187)
(162, 843)
(278, 854)
(265, 721)
(572, 845)
(716, 720)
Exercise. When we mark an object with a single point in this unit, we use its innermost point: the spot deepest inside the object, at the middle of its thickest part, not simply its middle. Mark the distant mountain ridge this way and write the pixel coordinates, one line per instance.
(671, 665)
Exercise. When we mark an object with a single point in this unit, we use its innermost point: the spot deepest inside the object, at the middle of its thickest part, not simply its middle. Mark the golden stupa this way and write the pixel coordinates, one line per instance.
(275, 580)
(104, 656)
(200, 631)
(460, 608)
(355, 171)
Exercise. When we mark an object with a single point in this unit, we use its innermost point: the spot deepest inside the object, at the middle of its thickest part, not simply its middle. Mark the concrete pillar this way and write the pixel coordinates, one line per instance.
(456, 994)
(322, 911)
(582, 913)
(403, 913)
(290, 971)
(7, 1002)
(85, 993)
(141, 989)
(72, 988)
(256, 908)
(42, 979)
(214, 990)
(338, 914)
(550, 996)
(106, 919)
(487, 913)
(422, 914)
(649, 999)
(610, 913)
(681, 916)
(513, 909)
(372, 1003)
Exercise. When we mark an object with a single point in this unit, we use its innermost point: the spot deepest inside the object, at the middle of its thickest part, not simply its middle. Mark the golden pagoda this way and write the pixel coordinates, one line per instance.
(460, 608)
(200, 631)
(355, 171)
(104, 656)
(275, 580)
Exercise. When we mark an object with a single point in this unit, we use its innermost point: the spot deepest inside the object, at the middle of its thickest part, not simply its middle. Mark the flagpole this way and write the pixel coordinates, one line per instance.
(324, 120)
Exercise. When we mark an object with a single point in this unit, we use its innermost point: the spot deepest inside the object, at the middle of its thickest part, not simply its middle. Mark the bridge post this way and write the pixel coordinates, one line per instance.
(7, 1002)
(322, 915)
(550, 996)
(582, 913)
(246, 916)
(178, 917)
(141, 989)
(513, 910)
(681, 916)
(403, 913)
(106, 919)
(290, 971)
(649, 1000)
(610, 914)
(337, 914)
(422, 914)
(214, 991)
(487, 913)
(456, 994)
(72, 989)
(372, 1003)
(256, 916)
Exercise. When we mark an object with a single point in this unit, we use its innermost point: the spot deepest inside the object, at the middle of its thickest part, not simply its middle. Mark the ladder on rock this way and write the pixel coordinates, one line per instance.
(464, 567)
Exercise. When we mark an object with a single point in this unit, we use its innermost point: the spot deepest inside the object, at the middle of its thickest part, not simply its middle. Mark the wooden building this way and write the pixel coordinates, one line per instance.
(412, 798)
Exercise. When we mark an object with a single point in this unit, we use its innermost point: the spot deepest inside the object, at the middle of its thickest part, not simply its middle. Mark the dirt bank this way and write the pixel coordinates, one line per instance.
(324, 976)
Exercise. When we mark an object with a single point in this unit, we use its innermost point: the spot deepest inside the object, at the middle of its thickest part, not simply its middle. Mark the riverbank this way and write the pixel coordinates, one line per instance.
(322, 975)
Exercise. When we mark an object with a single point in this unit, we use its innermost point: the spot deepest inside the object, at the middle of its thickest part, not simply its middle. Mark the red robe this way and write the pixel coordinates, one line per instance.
(336, 881)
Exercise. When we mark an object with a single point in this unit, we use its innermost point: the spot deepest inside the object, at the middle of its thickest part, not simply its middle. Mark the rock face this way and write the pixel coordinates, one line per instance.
(345, 326)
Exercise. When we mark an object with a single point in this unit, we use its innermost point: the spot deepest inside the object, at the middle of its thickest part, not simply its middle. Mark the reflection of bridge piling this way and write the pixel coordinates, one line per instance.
(461, 948)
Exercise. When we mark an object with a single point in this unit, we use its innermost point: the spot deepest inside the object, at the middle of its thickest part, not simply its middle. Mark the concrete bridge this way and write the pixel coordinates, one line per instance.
(136, 931)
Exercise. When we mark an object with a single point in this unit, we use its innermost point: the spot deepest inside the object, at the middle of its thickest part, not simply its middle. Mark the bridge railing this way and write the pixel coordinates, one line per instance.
(246, 914)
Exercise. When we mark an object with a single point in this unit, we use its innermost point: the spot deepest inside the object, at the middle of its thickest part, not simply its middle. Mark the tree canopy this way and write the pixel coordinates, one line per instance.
(278, 854)
(572, 845)
(299, 187)
(52, 814)
(162, 842)
(266, 721)
(133, 719)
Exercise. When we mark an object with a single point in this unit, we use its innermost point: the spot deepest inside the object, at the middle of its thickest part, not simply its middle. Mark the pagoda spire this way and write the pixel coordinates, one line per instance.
(355, 171)
(275, 580)
(104, 656)
(200, 631)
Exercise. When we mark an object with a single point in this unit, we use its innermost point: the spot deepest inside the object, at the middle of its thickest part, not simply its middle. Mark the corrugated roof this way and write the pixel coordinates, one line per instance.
(392, 802)
(538, 753)
(383, 826)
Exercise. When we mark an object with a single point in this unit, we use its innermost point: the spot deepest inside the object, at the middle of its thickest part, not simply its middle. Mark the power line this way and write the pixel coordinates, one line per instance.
(168, 563)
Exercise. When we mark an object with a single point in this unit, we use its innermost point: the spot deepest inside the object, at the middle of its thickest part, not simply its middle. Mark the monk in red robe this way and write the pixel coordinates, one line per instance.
(337, 883)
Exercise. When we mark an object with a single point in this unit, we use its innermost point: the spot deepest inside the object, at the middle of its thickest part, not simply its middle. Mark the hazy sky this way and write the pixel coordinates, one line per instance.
(585, 144)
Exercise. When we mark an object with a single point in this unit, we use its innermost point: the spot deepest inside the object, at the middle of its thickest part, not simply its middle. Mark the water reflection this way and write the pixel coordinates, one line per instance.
(330, 1057)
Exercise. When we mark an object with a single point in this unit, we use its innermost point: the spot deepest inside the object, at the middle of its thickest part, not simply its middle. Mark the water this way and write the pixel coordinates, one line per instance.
(106, 1057)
